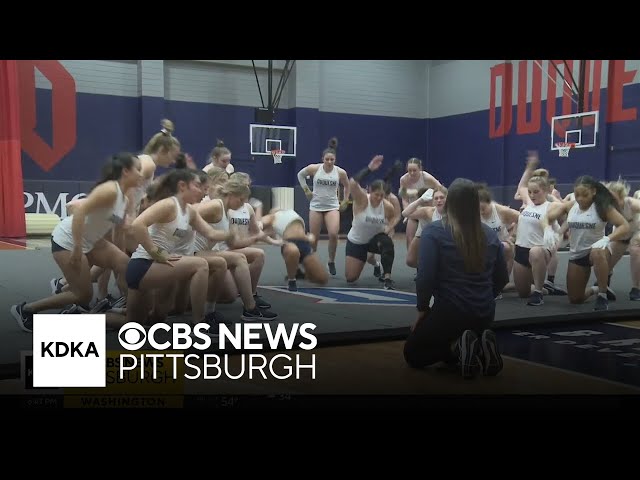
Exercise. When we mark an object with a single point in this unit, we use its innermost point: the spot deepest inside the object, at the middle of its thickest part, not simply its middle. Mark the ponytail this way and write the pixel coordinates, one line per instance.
(603, 198)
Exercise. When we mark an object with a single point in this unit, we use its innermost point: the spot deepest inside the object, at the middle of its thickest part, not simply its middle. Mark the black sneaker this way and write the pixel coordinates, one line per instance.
(634, 294)
(56, 285)
(332, 268)
(293, 286)
(260, 302)
(535, 299)
(468, 349)
(601, 303)
(389, 284)
(377, 271)
(24, 319)
(258, 315)
(491, 359)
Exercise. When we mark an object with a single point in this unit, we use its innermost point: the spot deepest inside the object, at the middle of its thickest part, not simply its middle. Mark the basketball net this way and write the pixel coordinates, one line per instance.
(277, 155)
(564, 147)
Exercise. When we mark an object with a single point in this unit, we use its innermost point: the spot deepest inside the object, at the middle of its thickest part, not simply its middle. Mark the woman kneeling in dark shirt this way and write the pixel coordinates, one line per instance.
(461, 263)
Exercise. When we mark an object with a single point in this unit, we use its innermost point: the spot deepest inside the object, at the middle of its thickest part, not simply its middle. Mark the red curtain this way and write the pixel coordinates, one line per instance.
(12, 218)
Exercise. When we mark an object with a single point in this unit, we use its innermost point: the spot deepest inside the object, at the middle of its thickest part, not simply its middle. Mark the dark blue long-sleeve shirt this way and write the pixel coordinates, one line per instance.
(441, 273)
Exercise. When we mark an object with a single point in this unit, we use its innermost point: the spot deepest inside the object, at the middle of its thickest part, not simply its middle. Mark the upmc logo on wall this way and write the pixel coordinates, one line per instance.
(532, 123)
(63, 125)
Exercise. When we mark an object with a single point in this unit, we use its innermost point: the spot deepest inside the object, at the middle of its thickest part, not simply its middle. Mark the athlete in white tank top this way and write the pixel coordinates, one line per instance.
(370, 228)
(96, 224)
(325, 205)
(588, 245)
(411, 183)
(76, 247)
(533, 251)
(296, 247)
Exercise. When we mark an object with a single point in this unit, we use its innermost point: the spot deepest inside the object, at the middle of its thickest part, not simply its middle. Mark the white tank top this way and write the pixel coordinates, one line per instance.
(530, 232)
(367, 223)
(240, 219)
(284, 218)
(586, 228)
(96, 224)
(631, 217)
(168, 236)
(202, 243)
(495, 223)
(325, 190)
(185, 246)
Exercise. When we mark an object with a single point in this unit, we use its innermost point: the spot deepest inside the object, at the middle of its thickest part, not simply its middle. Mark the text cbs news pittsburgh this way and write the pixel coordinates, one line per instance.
(70, 361)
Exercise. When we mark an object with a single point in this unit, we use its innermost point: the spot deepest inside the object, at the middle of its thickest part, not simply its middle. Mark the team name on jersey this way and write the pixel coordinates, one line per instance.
(180, 233)
(376, 220)
(239, 221)
(582, 225)
(328, 183)
(526, 213)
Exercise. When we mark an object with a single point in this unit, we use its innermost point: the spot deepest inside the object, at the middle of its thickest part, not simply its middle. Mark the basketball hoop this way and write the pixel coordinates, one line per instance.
(277, 155)
(564, 147)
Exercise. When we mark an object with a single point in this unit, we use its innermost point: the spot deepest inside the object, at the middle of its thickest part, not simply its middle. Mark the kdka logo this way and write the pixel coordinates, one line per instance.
(69, 351)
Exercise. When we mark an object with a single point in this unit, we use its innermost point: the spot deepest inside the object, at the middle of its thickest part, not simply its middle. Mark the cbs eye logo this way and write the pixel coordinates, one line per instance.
(132, 336)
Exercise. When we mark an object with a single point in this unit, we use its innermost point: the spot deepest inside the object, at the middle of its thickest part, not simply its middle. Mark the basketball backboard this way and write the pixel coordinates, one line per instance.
(580, 129)
(265, 138)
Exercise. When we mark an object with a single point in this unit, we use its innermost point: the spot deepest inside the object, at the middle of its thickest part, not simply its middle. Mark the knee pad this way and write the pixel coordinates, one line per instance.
(385, 244)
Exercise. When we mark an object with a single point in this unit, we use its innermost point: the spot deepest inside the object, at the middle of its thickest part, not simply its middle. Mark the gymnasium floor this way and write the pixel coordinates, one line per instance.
(553, 349)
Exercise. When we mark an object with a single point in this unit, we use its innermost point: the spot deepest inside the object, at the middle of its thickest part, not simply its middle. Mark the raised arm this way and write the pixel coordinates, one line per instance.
(358, 193)
(522, 193)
